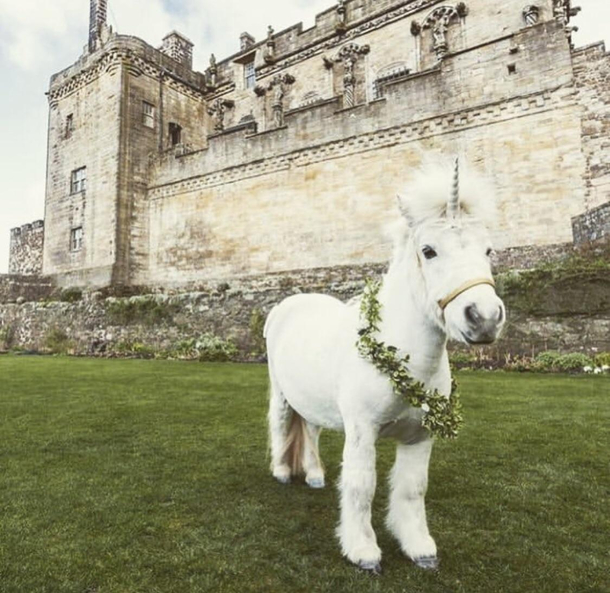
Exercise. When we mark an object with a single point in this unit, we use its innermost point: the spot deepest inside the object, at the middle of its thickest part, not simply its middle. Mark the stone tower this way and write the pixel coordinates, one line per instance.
(121, 102)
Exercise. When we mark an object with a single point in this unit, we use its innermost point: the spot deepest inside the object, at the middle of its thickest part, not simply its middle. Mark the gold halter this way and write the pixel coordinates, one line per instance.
(463, 288)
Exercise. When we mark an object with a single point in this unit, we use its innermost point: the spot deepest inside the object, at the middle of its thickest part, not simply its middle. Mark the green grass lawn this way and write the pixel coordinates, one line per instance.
(150, 476)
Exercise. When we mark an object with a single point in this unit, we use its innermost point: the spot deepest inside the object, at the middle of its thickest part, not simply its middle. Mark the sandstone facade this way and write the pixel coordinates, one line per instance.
(288, 154)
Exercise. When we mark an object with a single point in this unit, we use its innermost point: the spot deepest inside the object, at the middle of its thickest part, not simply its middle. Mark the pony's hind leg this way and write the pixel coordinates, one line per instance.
(312, 464)
(280, 418)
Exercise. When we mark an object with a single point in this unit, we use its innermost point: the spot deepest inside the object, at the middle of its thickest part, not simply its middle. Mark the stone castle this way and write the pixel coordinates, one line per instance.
(287, 155)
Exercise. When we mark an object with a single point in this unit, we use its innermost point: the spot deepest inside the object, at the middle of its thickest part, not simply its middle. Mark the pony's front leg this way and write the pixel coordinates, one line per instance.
(358, 480)
(407, 513)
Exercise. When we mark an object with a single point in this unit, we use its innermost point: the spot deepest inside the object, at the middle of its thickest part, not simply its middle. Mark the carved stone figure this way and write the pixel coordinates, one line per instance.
(438, 21)
(269, 54)
(563, 11)
(278, 105)
(217, 110)
(278, 86)
(349, 56)
(213, 72)
(341, 24)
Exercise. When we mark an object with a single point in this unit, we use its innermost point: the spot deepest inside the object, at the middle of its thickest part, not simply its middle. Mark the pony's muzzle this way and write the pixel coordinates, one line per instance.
(483, 326)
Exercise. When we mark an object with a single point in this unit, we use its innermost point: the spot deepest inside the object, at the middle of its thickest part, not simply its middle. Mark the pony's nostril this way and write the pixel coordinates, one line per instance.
(472, 315)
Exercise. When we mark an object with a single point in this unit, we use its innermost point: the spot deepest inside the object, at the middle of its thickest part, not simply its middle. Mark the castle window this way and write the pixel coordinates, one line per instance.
(175, 133)
(76, 239)
(78, 180)
(250, 74)
(391, 72)
(69, 125)
(148, 114)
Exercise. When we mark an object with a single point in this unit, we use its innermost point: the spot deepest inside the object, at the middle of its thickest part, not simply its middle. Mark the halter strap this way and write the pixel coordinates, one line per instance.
(463, 288)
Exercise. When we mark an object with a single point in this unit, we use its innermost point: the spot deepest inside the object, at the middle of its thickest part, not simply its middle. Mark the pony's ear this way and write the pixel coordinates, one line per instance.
(404, 210)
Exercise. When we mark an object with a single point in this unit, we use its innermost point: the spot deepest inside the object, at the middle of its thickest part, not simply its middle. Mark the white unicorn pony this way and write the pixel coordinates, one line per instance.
(438, 286)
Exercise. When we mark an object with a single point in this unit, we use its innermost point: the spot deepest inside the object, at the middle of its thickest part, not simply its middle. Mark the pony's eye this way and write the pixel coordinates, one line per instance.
(489, 252)
(428, 252)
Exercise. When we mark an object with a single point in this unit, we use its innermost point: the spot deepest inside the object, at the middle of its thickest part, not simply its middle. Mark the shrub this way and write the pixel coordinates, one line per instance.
(573, 363)
(139, 349)
(56, 341)
(71, 295)
(7, 337)
(256, 329)
(566, 363)
(547, 361)
(602, 359)
(145, 310)
(207, 347)
(462, 360)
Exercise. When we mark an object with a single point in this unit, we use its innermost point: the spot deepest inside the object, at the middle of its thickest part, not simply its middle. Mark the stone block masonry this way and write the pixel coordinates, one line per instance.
(25, 256)
(287, 155)
(570, 314)
(592, 226)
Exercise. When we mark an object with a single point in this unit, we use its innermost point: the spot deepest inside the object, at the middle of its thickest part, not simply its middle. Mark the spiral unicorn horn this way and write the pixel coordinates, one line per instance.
(453, 206)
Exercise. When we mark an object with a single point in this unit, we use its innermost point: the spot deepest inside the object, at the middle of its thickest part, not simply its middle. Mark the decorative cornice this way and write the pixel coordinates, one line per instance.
(403, 134)
(110, 62)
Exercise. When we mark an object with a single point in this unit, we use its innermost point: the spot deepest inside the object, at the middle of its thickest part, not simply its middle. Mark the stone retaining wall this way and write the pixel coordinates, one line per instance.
(569, 312)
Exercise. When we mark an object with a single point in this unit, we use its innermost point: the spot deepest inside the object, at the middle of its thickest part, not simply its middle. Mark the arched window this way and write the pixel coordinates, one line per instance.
(310, 98)
(390, 72)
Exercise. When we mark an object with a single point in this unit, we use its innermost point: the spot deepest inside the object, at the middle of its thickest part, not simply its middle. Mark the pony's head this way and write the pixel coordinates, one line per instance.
(447, 212)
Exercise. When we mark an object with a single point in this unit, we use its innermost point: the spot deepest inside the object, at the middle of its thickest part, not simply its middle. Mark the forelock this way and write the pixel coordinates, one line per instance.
(428, 190)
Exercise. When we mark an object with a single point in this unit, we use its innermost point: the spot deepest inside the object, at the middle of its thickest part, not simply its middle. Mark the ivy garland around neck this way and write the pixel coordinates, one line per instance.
(442, 415)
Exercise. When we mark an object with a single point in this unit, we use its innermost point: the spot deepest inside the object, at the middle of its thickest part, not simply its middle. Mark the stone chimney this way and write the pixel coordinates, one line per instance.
(246, 41)
(177, 46)
(98, 14)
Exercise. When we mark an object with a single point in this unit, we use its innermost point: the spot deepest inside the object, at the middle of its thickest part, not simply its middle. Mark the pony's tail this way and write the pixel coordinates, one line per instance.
(294, 449)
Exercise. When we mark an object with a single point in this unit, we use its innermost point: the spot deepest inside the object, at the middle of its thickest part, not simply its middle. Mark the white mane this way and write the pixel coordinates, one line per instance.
(426, 195)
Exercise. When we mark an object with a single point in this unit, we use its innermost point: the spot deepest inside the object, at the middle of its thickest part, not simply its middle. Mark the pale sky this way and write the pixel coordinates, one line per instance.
(41, 37)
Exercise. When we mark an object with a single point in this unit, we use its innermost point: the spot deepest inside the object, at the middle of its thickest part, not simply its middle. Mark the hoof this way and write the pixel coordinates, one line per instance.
(372, 567)
(283, 479)
(316, 483)
(427, 562)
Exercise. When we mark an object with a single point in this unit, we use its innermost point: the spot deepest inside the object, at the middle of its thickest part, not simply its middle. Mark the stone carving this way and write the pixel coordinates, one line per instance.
(354, 32)
(269, 54)
(341, 24)
(217, 110)
(349, 56)
(246, 41)
(531, 14)
(279, 85)
(563, 11)
(438, 21)
(213, 72)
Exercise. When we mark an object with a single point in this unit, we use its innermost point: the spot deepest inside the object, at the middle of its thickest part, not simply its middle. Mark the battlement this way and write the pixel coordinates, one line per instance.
(425, 103)
(25, 255)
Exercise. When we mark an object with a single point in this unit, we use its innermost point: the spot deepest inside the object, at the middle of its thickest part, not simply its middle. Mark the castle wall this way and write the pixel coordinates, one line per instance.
(385, 27)
(25, 253)
(319, 191)
(592, 79)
